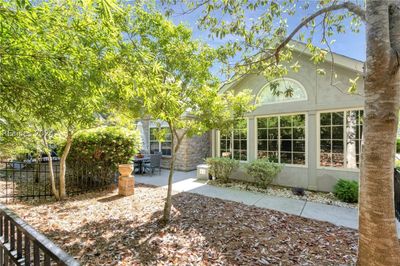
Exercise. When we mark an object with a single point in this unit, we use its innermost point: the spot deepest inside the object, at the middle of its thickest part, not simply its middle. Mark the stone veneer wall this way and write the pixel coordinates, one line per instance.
(192, 151)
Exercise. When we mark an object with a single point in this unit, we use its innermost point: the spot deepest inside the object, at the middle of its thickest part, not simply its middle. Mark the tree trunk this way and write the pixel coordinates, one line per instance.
(351, 161)
(37, 166)
(168, 200)
(63, 165)
(378, 242)
(54, 189)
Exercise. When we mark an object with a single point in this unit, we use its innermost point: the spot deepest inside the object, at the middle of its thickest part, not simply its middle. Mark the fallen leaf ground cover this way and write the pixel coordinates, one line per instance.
(105, 229)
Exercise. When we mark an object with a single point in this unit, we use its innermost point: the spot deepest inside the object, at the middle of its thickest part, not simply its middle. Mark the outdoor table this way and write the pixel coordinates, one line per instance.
(140, 162)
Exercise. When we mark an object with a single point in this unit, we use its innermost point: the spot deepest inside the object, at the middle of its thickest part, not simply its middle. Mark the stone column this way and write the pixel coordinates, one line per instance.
(126, 181)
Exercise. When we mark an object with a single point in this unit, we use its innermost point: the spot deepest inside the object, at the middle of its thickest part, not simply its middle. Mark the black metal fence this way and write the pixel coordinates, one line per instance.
(397, 193)
(20, 244)
(28, 180)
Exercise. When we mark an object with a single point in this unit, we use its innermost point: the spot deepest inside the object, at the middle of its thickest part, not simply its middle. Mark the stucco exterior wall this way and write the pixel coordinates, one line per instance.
(321, 96)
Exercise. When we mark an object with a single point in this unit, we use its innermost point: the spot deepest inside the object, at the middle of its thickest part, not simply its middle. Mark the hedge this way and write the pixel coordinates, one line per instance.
(104, 146)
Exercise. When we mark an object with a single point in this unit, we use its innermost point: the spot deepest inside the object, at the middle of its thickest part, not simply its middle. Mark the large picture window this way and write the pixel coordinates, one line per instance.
(165, 147)
(340, 138)
(234, 144)
(282, 139)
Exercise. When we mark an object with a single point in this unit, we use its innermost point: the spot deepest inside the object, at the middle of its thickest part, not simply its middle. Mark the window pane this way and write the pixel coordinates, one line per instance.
(337, 146)
(337, 118)
(325, 159)
(286, 145)
(272, 133)
(262, 122)
(243, 134)
(326, 146)
(243, 145)
(262, 145)
(299, 158)
(299, 146)
(286, 121)
(236, 134)
(273, 145)
(360, 117)
(290, 131)
(273, 157)
(325, 119)
(262, 154)
(243, 155)
(337, 160)
(337, 132)
(326, 132)
(286, 157)
(299, 133)
(236, 144)
(154, 147)
(239, 139)
(299, 121)
(152, 134)
(345, 131)
(286, 133)
(273, 122)
(262, 134)
(276, 91)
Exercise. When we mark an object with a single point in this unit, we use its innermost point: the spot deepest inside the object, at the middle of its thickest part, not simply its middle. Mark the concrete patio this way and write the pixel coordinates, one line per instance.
(187, 182)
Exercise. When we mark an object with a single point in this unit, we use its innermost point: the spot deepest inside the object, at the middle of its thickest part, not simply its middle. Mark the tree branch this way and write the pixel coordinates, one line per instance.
(346, 5)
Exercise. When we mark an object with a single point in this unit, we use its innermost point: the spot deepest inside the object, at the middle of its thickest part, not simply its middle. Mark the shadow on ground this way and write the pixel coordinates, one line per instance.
(109, 229)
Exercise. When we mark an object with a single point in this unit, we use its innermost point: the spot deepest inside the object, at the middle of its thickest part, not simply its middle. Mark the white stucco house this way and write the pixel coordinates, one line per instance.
(316, 133)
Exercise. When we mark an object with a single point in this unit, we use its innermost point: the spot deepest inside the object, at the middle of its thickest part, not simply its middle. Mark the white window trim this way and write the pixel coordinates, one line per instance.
(318, 146)
(287, 101)
(279, 138)
(247, 142)
(162, 125)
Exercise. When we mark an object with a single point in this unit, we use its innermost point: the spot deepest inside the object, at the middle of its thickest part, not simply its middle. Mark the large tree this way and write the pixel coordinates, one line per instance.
(262, 43)
(55, 58)
(177, 86)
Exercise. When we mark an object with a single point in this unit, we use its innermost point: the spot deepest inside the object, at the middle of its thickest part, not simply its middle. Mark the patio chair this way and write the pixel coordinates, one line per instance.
(155, 162)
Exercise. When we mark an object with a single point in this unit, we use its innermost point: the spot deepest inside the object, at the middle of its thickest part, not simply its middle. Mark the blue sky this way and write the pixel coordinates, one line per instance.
(349, 44)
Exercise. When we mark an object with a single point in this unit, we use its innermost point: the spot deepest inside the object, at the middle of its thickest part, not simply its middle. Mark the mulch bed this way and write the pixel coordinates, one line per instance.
(105, 229)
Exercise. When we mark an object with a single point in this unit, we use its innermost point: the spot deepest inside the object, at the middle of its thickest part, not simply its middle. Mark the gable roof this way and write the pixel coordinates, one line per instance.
(300, 47)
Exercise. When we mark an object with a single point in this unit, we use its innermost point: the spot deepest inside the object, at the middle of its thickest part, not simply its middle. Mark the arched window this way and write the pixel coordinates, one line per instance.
(281, 90)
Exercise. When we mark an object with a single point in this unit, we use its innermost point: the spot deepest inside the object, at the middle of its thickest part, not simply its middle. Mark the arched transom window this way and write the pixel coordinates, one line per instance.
(281, 90)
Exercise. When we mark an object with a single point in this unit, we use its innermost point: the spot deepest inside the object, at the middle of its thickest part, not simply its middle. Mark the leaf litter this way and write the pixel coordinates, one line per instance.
(104, 229)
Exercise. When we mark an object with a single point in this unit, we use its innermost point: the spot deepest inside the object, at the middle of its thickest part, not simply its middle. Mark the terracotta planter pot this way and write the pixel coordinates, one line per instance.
(125, 169)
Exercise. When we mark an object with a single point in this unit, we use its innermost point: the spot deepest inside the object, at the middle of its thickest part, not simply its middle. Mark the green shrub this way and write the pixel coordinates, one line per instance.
(263, 171)
(397, 164)
(346, 190)
(222, 168)
(108, 146)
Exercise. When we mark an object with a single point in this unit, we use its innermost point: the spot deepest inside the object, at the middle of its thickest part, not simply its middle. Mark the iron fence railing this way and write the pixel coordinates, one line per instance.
(20, 244)
(31, 180)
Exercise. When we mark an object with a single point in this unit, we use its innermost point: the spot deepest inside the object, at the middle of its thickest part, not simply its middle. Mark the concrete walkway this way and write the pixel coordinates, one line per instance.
(187, 182)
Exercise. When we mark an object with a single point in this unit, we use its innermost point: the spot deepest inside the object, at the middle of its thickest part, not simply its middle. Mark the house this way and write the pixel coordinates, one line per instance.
(192, 151)
(316, 133)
